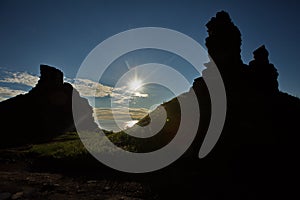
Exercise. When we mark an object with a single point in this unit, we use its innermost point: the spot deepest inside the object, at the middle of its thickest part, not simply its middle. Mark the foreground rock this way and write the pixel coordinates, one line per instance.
(42, 113)
(25, 185)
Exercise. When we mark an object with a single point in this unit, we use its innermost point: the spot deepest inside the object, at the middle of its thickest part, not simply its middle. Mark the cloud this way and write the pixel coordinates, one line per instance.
(120, 113)
(85, 87)
(138, 94)
(6, 93)
(20, 78)
(123, 95)
(10, 78)
(90, 88)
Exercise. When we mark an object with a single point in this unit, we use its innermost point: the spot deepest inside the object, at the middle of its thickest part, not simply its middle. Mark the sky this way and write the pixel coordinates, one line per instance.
(62, 33)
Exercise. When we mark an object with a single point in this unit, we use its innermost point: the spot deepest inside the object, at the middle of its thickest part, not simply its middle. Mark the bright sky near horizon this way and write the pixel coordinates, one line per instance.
(62, 33)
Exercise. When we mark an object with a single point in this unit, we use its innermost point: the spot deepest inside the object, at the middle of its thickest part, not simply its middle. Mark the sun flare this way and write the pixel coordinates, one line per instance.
(135, 84)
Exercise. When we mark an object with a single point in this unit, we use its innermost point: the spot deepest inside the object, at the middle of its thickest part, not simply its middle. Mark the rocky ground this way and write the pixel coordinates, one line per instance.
(19, 181)
(25, 185)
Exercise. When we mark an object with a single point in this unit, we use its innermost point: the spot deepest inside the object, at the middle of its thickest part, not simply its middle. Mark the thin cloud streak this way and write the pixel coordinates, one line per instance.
(6, 93)
(20, 78)
(85, 87)
(88, 88)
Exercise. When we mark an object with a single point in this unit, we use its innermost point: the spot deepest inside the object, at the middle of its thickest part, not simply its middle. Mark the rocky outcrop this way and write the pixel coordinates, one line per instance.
(224, 41)
(224, 47)
(44, 112)
(264, 74)
(259, 145)
(257, 112)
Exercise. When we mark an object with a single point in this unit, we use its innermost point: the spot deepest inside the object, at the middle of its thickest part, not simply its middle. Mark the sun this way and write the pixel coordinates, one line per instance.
(135, 84)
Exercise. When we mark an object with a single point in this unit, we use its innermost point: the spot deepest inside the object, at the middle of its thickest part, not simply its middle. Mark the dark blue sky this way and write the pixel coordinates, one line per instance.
(62, 33)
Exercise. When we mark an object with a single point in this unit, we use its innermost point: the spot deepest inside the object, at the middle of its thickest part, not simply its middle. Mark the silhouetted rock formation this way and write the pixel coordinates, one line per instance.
(257, 152)
(224, 47)
(257, 113)
(256, 156)
(258, 143)
(224, 41)
(42, 113)
(265, 74)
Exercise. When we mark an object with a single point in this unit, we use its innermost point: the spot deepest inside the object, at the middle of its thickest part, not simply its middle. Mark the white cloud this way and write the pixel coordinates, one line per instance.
(123, 95)
(90, 88)
(21, 78)
(138, 94)
(2, 98)
(85, 87)
(6, 93)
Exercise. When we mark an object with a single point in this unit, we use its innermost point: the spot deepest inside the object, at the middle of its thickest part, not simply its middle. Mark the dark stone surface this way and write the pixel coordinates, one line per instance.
(42, 113)
(264, 74)
(256, 156)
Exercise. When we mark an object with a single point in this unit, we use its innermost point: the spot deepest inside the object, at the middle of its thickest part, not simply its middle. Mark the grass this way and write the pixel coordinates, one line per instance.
(59, 149)
(69, 146)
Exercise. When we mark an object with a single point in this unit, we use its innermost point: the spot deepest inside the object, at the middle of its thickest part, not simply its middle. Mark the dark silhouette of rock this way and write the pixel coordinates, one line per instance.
(256, 156)
(50, 77)
(257, 112)
(224, 41)
(42, 113)
(258, 144)
(265, 74)
(224, 47)
(257, 153)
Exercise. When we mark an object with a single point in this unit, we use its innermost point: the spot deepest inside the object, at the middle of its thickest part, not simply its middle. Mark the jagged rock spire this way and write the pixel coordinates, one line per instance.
(51, 76)
(265, 74)
(261, 55)
(45, 112)
(224, 48)
(224, 40)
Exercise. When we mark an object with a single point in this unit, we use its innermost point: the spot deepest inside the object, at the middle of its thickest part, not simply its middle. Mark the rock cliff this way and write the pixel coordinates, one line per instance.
(42, 113)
